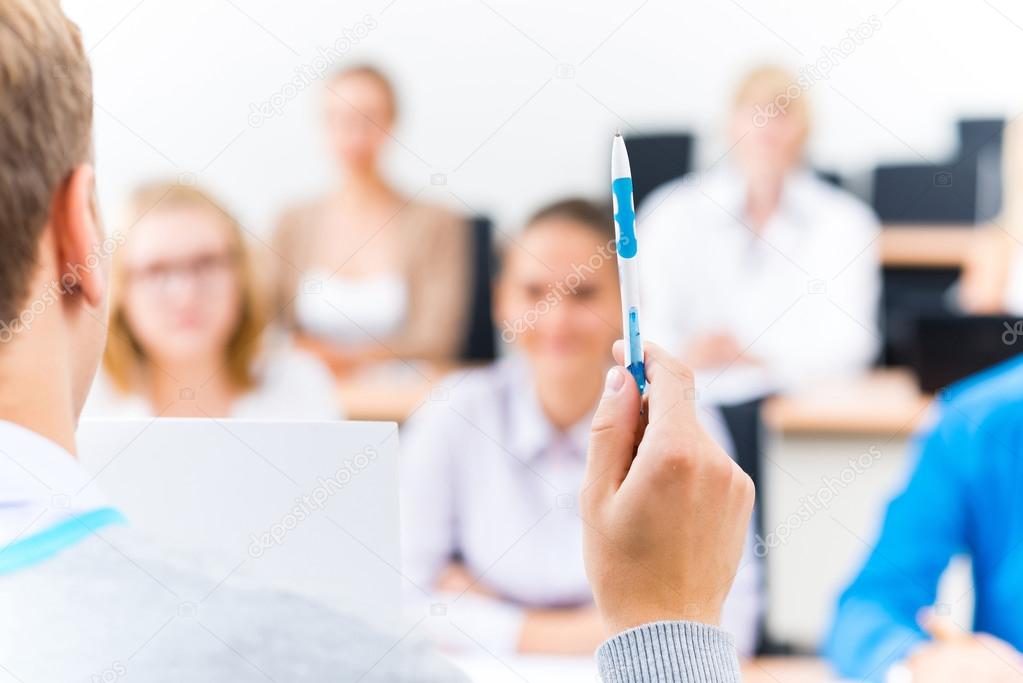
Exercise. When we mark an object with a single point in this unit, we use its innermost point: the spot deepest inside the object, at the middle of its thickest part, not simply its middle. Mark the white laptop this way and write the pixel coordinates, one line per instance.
(309, 507)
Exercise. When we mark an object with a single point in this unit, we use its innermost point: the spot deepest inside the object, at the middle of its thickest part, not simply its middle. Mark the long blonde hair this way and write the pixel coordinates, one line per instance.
(124, 356)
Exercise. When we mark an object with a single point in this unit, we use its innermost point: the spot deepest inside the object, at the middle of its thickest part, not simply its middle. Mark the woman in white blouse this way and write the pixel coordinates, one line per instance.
(186, 324)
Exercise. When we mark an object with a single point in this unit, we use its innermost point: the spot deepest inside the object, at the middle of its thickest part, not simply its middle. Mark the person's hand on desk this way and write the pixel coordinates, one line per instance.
(955, 655)
(980, 659)
(457, 579)
(345, 360)
(714, 350)
(560, 631)
(341, 360)
(666, 510)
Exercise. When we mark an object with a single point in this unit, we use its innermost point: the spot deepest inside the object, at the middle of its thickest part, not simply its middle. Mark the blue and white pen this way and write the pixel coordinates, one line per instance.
(628, 259)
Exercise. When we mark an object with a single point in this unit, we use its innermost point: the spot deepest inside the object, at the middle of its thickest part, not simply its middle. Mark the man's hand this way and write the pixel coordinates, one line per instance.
(666, 511)
(958, 655)
(982, 658)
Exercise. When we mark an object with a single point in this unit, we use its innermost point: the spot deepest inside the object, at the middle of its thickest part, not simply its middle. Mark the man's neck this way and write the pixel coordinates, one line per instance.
(35, 387)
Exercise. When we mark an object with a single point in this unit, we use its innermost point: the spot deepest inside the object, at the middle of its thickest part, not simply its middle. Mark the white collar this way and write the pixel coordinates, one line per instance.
(532, 432)
(726, 187)
(39, 481)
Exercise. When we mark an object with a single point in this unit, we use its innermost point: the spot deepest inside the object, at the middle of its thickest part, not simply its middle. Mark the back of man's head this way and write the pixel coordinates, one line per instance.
(52, 274)
(45, 133)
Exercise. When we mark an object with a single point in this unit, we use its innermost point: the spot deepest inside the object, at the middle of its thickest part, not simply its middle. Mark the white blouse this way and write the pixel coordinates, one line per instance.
(802, 295)
(351, 310)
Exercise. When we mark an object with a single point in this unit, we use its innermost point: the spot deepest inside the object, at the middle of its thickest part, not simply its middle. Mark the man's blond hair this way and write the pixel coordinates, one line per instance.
(45, 131)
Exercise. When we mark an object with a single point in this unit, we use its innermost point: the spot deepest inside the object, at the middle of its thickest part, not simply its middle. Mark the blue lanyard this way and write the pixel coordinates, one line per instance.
(42, 546)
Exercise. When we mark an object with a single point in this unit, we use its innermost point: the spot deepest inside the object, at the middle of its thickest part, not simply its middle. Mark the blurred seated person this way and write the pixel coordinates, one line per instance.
(367, 274)
(186, 324)
(992, 279)
(492, 469)
(963, 496)
(757, 273)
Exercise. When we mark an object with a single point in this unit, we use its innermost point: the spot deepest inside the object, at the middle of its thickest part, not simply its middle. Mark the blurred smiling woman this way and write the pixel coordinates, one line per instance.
(493, 464)
(186, 325)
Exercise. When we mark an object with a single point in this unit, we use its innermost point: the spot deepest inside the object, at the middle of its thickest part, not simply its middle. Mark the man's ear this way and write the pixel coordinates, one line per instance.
(77, 234)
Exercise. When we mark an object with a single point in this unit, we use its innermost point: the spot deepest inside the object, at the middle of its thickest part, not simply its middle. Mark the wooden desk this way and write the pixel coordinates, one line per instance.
(386, 401)
(926, 246)
(885, 402)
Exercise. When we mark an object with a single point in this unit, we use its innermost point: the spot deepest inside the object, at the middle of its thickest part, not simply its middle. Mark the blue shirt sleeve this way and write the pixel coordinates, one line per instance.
(876, 621)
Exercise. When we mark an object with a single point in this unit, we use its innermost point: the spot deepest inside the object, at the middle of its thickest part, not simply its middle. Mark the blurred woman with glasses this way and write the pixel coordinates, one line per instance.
(186, 324)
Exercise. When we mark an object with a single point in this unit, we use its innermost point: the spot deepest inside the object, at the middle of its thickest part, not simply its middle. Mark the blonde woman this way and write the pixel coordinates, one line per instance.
(368, 275)
(186, 324)
(759, 275)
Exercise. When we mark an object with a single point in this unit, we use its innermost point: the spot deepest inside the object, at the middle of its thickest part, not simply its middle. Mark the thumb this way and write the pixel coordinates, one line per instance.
(941, 627)
(612, 442)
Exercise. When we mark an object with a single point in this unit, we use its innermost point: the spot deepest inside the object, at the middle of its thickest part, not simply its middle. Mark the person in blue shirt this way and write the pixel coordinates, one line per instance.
(964, 496)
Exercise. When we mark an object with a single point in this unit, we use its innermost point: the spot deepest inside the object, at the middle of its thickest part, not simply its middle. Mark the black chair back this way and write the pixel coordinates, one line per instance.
(480, 341)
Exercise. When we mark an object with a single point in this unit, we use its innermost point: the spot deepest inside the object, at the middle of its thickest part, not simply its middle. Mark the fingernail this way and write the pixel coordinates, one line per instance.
(614, 381)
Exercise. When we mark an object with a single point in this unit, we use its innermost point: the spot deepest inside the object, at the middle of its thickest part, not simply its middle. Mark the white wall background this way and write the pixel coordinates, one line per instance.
(488, 99)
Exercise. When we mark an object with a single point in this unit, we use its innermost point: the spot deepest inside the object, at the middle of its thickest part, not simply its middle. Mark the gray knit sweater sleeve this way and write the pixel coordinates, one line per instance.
(669, 652)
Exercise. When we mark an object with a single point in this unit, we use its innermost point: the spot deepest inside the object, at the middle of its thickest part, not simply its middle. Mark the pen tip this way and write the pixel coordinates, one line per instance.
(618, 133)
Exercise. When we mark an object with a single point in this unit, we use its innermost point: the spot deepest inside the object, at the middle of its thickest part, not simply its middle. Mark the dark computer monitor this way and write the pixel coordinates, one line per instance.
(949, 349)
(963, 189)
(923, 193)
(656, 159)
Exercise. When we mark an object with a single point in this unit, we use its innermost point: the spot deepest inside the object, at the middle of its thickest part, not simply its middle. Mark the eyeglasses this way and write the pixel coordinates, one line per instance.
(208, 272)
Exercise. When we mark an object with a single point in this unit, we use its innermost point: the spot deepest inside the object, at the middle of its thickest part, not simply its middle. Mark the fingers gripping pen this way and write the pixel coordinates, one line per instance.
(628, 259)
